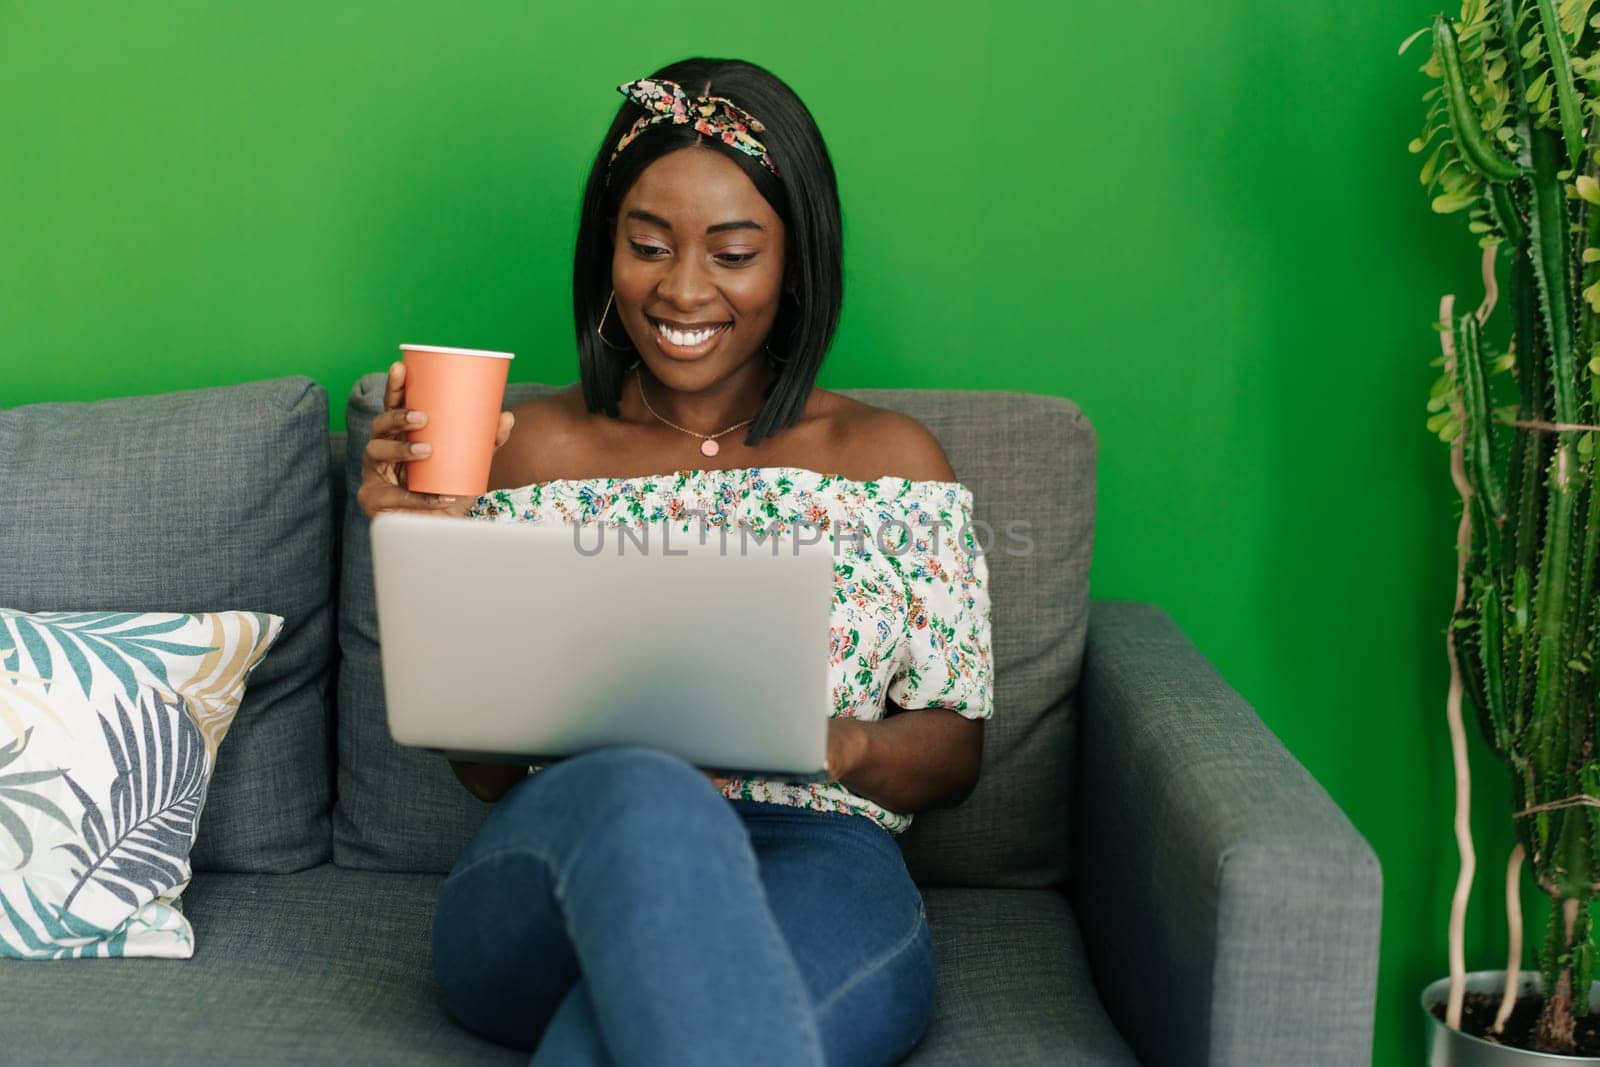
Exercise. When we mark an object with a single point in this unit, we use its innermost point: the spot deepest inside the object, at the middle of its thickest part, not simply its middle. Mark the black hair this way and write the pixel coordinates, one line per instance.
(804, 194)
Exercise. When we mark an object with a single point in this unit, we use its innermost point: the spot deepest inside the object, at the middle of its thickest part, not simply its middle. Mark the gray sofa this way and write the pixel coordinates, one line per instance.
(1144, 873)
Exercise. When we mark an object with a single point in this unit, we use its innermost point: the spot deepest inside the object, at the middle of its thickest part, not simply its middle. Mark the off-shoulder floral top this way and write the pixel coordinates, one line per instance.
(911, 614)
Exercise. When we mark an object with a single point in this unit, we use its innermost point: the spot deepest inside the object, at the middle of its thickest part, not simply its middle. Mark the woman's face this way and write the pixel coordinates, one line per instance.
(698, 266)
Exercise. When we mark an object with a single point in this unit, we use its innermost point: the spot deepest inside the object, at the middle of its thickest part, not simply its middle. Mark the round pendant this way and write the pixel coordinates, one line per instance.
(708, 447)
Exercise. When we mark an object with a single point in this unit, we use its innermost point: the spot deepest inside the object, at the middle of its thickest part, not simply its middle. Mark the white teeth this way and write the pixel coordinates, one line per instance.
(683, 338)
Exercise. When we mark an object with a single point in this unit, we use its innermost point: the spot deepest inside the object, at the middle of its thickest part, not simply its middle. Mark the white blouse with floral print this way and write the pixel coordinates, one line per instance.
(911, 614)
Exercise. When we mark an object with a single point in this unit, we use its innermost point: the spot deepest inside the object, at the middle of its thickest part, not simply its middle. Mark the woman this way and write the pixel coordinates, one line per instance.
(616, 906)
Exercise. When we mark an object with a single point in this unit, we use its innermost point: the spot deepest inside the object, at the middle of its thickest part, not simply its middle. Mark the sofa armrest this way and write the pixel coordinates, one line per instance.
(1229, 908)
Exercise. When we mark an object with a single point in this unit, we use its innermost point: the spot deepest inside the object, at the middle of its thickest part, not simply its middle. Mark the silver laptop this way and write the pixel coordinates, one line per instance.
(522, 644)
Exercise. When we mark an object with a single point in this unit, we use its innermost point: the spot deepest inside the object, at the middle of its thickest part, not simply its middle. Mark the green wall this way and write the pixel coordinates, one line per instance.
(1199, 222)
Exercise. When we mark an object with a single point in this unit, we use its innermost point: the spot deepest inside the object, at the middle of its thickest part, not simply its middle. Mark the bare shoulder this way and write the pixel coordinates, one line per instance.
(897, 444)
(545, 426)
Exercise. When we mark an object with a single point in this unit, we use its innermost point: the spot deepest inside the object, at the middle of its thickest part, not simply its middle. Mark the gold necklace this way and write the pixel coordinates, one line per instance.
(708, 441)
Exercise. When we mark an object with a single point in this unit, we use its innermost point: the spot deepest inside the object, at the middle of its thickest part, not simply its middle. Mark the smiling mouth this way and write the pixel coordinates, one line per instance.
(687, 339)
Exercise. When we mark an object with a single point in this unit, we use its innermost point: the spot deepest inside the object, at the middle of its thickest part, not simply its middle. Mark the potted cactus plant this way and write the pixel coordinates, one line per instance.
(1512, 138)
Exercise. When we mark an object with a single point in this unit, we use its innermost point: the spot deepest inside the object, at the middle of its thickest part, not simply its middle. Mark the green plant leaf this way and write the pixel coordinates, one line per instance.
(1431, 167)
(1536, 86)
(1407, 42)
(1447, 203)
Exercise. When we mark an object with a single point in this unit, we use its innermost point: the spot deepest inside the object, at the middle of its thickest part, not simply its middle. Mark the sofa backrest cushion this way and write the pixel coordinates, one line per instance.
(1029, 461)
(199, 501)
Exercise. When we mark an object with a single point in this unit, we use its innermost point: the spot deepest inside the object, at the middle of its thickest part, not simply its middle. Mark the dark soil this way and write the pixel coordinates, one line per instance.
(1478, 1011)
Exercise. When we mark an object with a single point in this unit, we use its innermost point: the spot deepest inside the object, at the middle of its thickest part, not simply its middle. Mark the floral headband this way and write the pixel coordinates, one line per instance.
(713, 116)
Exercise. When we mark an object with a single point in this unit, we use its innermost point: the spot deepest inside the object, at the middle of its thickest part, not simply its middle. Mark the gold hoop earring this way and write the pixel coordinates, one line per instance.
(600, 330)
(773, 356)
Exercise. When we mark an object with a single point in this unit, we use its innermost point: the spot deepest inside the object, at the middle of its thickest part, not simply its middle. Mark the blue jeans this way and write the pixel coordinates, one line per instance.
(616, 908)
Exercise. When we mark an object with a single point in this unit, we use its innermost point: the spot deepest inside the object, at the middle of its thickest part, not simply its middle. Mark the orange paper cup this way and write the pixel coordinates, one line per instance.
(461, 390)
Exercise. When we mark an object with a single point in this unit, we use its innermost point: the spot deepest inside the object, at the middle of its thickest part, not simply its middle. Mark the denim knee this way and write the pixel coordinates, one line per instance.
(626, 772)
(626, 791)
(500, 959)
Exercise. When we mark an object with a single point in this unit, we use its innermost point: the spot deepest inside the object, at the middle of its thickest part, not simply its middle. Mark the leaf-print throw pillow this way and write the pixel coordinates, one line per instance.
(109, 727)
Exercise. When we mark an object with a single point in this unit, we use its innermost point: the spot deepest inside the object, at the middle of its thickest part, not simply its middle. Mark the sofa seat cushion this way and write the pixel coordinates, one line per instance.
(1014, 984)
(331, 965)
(326, 965)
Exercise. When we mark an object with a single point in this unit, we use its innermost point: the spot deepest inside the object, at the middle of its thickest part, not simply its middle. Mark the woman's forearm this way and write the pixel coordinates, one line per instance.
(911, 760)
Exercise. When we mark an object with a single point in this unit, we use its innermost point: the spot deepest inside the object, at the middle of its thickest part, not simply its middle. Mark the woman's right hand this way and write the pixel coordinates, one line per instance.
(383, 466)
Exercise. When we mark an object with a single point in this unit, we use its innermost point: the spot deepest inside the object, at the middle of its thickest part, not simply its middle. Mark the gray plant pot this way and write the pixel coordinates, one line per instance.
(1452, 1048)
